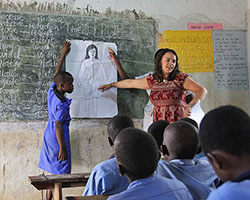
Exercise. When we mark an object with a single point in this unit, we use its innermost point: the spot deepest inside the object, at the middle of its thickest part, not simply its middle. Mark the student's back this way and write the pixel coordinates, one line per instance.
(137, 158)
(154, 188)
(105, 177)
(236, 190)
(198, 176)
(180, 145)
(225, 139)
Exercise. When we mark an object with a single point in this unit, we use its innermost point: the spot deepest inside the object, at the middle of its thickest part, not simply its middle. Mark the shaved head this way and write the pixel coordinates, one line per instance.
(181, 140)
(137, 152)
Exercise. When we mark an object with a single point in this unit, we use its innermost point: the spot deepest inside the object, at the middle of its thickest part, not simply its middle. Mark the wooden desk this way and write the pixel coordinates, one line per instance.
(94, 197)
(57, 182)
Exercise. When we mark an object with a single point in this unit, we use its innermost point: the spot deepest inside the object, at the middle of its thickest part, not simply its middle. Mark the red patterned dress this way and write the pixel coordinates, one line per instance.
(168, 98)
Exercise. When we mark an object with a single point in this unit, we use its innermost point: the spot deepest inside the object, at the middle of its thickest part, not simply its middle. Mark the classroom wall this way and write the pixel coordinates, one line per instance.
(20, 141)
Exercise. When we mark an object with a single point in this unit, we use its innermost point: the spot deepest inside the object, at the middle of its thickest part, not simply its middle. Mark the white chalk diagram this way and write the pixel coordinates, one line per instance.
(91, 66)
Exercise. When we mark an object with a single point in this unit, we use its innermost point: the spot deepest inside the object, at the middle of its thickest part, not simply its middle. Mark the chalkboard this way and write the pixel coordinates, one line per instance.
(30, 45)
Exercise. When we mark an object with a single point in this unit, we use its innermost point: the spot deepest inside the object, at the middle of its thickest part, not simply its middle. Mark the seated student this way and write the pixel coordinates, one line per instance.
(137, 157)
(199, 154)
(156, 129)
(105, 177)
(191, 121)
(180, 144)
(225, 140)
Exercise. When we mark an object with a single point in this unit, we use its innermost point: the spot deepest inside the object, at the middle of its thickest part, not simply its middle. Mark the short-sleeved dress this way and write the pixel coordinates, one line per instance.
(58, 110)
(168, 98)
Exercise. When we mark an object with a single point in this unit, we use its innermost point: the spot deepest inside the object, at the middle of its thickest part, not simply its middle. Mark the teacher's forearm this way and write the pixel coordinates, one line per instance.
(202, 94)
(199, 95)
(127, 83)
(132, 83)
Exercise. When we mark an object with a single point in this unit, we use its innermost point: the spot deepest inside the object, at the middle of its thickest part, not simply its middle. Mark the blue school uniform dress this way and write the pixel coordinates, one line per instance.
(105, 179)
(58, 110)
(154, 188)
(239, 189)
(198, 175)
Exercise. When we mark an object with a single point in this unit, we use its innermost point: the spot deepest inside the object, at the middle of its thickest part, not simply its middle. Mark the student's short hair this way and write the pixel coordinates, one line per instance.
(185, 141)
(226, 128)
(137, 152)
(117, 123)
(191, 121)
(61, 77)
(156, 129)
(189, 98)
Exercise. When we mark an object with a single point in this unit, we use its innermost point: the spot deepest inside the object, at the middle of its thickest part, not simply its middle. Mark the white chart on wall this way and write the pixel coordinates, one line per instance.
(91, 66)
(230, 62)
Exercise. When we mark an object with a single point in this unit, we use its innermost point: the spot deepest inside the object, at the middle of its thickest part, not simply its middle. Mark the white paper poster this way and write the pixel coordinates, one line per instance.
(230, 62)
(197, 113)
(91, 66)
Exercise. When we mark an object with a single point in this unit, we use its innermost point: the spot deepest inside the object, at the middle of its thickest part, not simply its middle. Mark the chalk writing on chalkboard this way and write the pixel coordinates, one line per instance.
(30, 46)
(230, 60)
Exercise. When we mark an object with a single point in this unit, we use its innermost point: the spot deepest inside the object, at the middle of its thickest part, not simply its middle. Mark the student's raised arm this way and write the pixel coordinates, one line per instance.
(127, 83)
(65, 51)
(119, 68)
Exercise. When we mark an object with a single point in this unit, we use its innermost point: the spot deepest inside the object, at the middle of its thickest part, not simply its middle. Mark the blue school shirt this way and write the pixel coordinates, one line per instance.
(236, 190)
(58, 110)
(105, 178)
(154, 188)
(198, 175)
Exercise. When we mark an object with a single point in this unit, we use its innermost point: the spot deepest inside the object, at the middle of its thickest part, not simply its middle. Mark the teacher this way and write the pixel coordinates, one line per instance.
(168, 87)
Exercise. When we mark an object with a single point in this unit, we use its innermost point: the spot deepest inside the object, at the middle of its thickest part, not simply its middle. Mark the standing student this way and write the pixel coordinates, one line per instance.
(180, 144)
(168, 87)
(225, 140)
(105, 177)
(137, 157)
(55, 156)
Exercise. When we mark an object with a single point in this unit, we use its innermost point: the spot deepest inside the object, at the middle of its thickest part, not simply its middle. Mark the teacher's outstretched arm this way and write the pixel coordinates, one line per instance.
(127, 83)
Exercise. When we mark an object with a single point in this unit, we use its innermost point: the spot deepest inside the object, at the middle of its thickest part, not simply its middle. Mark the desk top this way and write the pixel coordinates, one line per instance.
(42, 182)
(94, 197)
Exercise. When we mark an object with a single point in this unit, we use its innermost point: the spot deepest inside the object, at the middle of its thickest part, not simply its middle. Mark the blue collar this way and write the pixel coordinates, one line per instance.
(60, 96)
(183, 161)
(143, 181)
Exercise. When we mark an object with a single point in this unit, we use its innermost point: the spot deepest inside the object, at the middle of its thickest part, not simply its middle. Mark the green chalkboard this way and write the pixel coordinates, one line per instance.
(30, 45)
